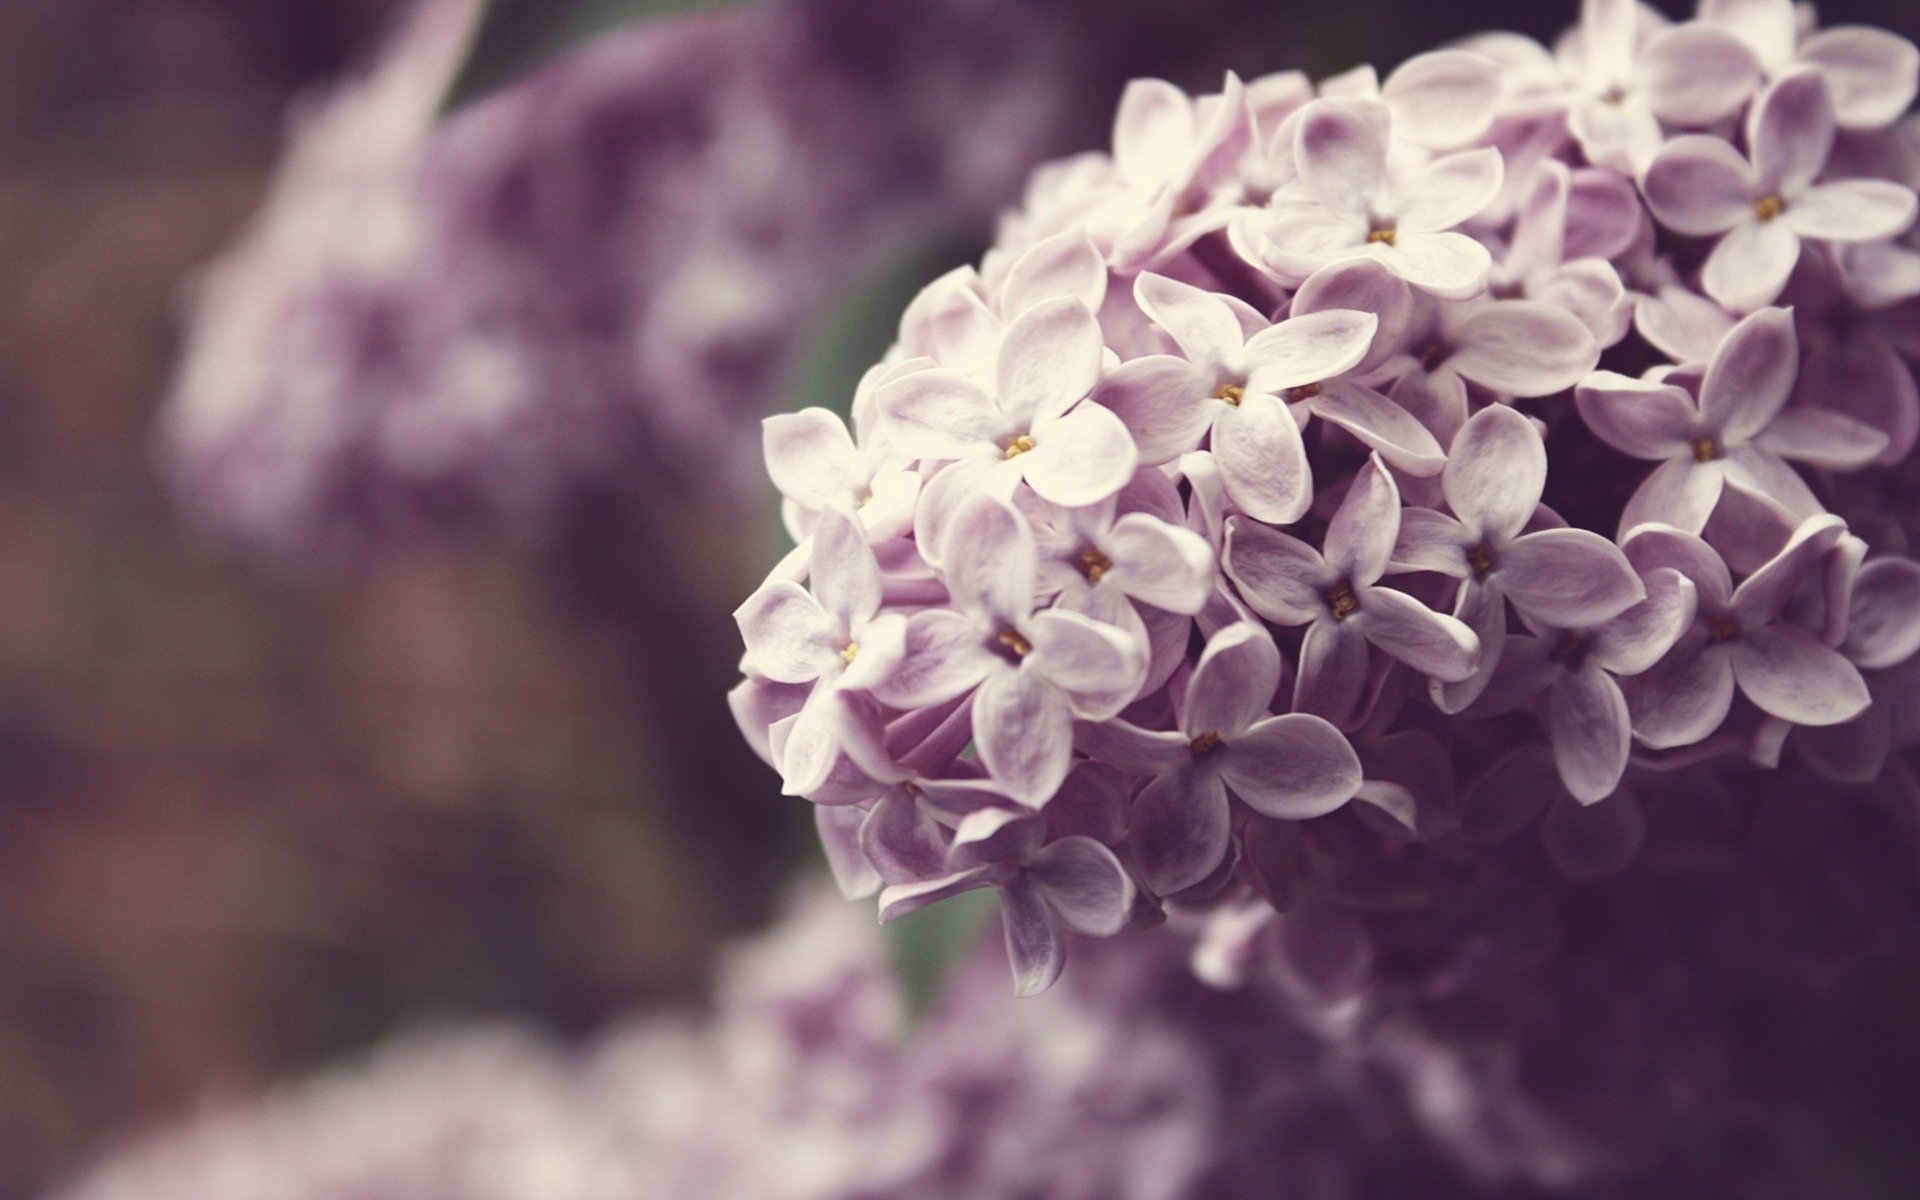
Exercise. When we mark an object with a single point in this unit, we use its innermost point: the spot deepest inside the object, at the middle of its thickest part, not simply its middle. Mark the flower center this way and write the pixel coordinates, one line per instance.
(1383, 235)
(1433, 354)
(1615, 96)
(1341, 601)
(1480, 559)
(1705, 449)
(849, 652)
(1232, 393)
(1768, 207)
(1011, 639)
(1205, 744)
(1570, 651)
(1722, 628)
(1307, 392)
(1019, 446)
(1094, 565)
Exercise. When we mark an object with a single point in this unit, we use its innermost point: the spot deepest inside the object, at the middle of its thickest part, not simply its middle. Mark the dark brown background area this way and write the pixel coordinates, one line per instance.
(249, 820)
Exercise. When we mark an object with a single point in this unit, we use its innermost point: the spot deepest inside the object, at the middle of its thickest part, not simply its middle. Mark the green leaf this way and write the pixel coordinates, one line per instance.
(927, 946)
(516, 36)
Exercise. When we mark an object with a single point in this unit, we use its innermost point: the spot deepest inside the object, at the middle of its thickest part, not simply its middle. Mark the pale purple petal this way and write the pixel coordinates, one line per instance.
(1695, 75)
(1452, 190)
(1432, 643)
(1232, 685)
(1700, 186)
(1081, 458)
(1750, 266)
(810, 457)
(1129, 748)
(1049, 359)
(1200, 322)
(938, 414)
(1152, 130)
(1495, 473)
(1636, 639)
(1569, 578)
(1365, 286)
(1380, 425)
(1342, 155)
(1084, 884)
(881, 645)
(1262, 459)
(1683, 698)
(1100, 667)
(1591, 733)
(989, 558)
(1160, 564)
(1680, 492)
(1023, 730)
(1763, 594)
(1293, 767)
(1281, 577)
(1450, 265)
(1791, 131)
(899, 900)
(1883, 625)
(839, 830)
(1035, 949)
(1066, 265)
(1163, 401)
(1822, 438)
(1361, 535)
(1655, 547)
(1308, 349)
(1524, 348)
(1871, 73)
(1853, 210)
(1752, 376)
(1179, 829)
(945, 657)
(1333, 670)
(1645, 419)
(789, 637)
(1443, 99)
(1789, 674)
(1431, 541)
(844, 573)
(902, 841)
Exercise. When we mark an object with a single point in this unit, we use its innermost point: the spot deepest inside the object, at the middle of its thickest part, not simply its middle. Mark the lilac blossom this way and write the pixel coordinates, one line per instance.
(1763, 205)
(1728, 426)
(1336, 594)
(1872, 74)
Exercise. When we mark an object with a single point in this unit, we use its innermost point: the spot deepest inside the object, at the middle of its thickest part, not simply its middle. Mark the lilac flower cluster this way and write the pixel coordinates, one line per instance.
(1342, 442)
(1133, 1083)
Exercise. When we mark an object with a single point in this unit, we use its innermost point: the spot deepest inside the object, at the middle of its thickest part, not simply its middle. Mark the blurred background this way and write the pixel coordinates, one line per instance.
(375, 488)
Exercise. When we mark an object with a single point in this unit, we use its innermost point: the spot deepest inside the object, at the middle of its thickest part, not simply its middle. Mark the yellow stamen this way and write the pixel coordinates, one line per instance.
(1768, 207)
(1307, 392)
(1019, 446)
(1341, 601)
(1705, 449)
(849, 652)
(1480, 561)
(1012, 640)
(1205, 744)
(1094, 565)
(1232, 393)
(1382, 237)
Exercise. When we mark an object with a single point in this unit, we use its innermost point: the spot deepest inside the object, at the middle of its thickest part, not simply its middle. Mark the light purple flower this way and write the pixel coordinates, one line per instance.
(1871, 73)
(1762, 209)
(1570, 578)
(1630, 78)
(1289, 767)
(1361, 202)
(1029, 673)
(1728, 426)
(1227, 386)
(1740, 637)
(1337, 595)
(1512, 348)
(1027, 423)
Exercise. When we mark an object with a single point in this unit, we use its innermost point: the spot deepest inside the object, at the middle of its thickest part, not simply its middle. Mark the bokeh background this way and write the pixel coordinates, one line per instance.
(270, 790)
